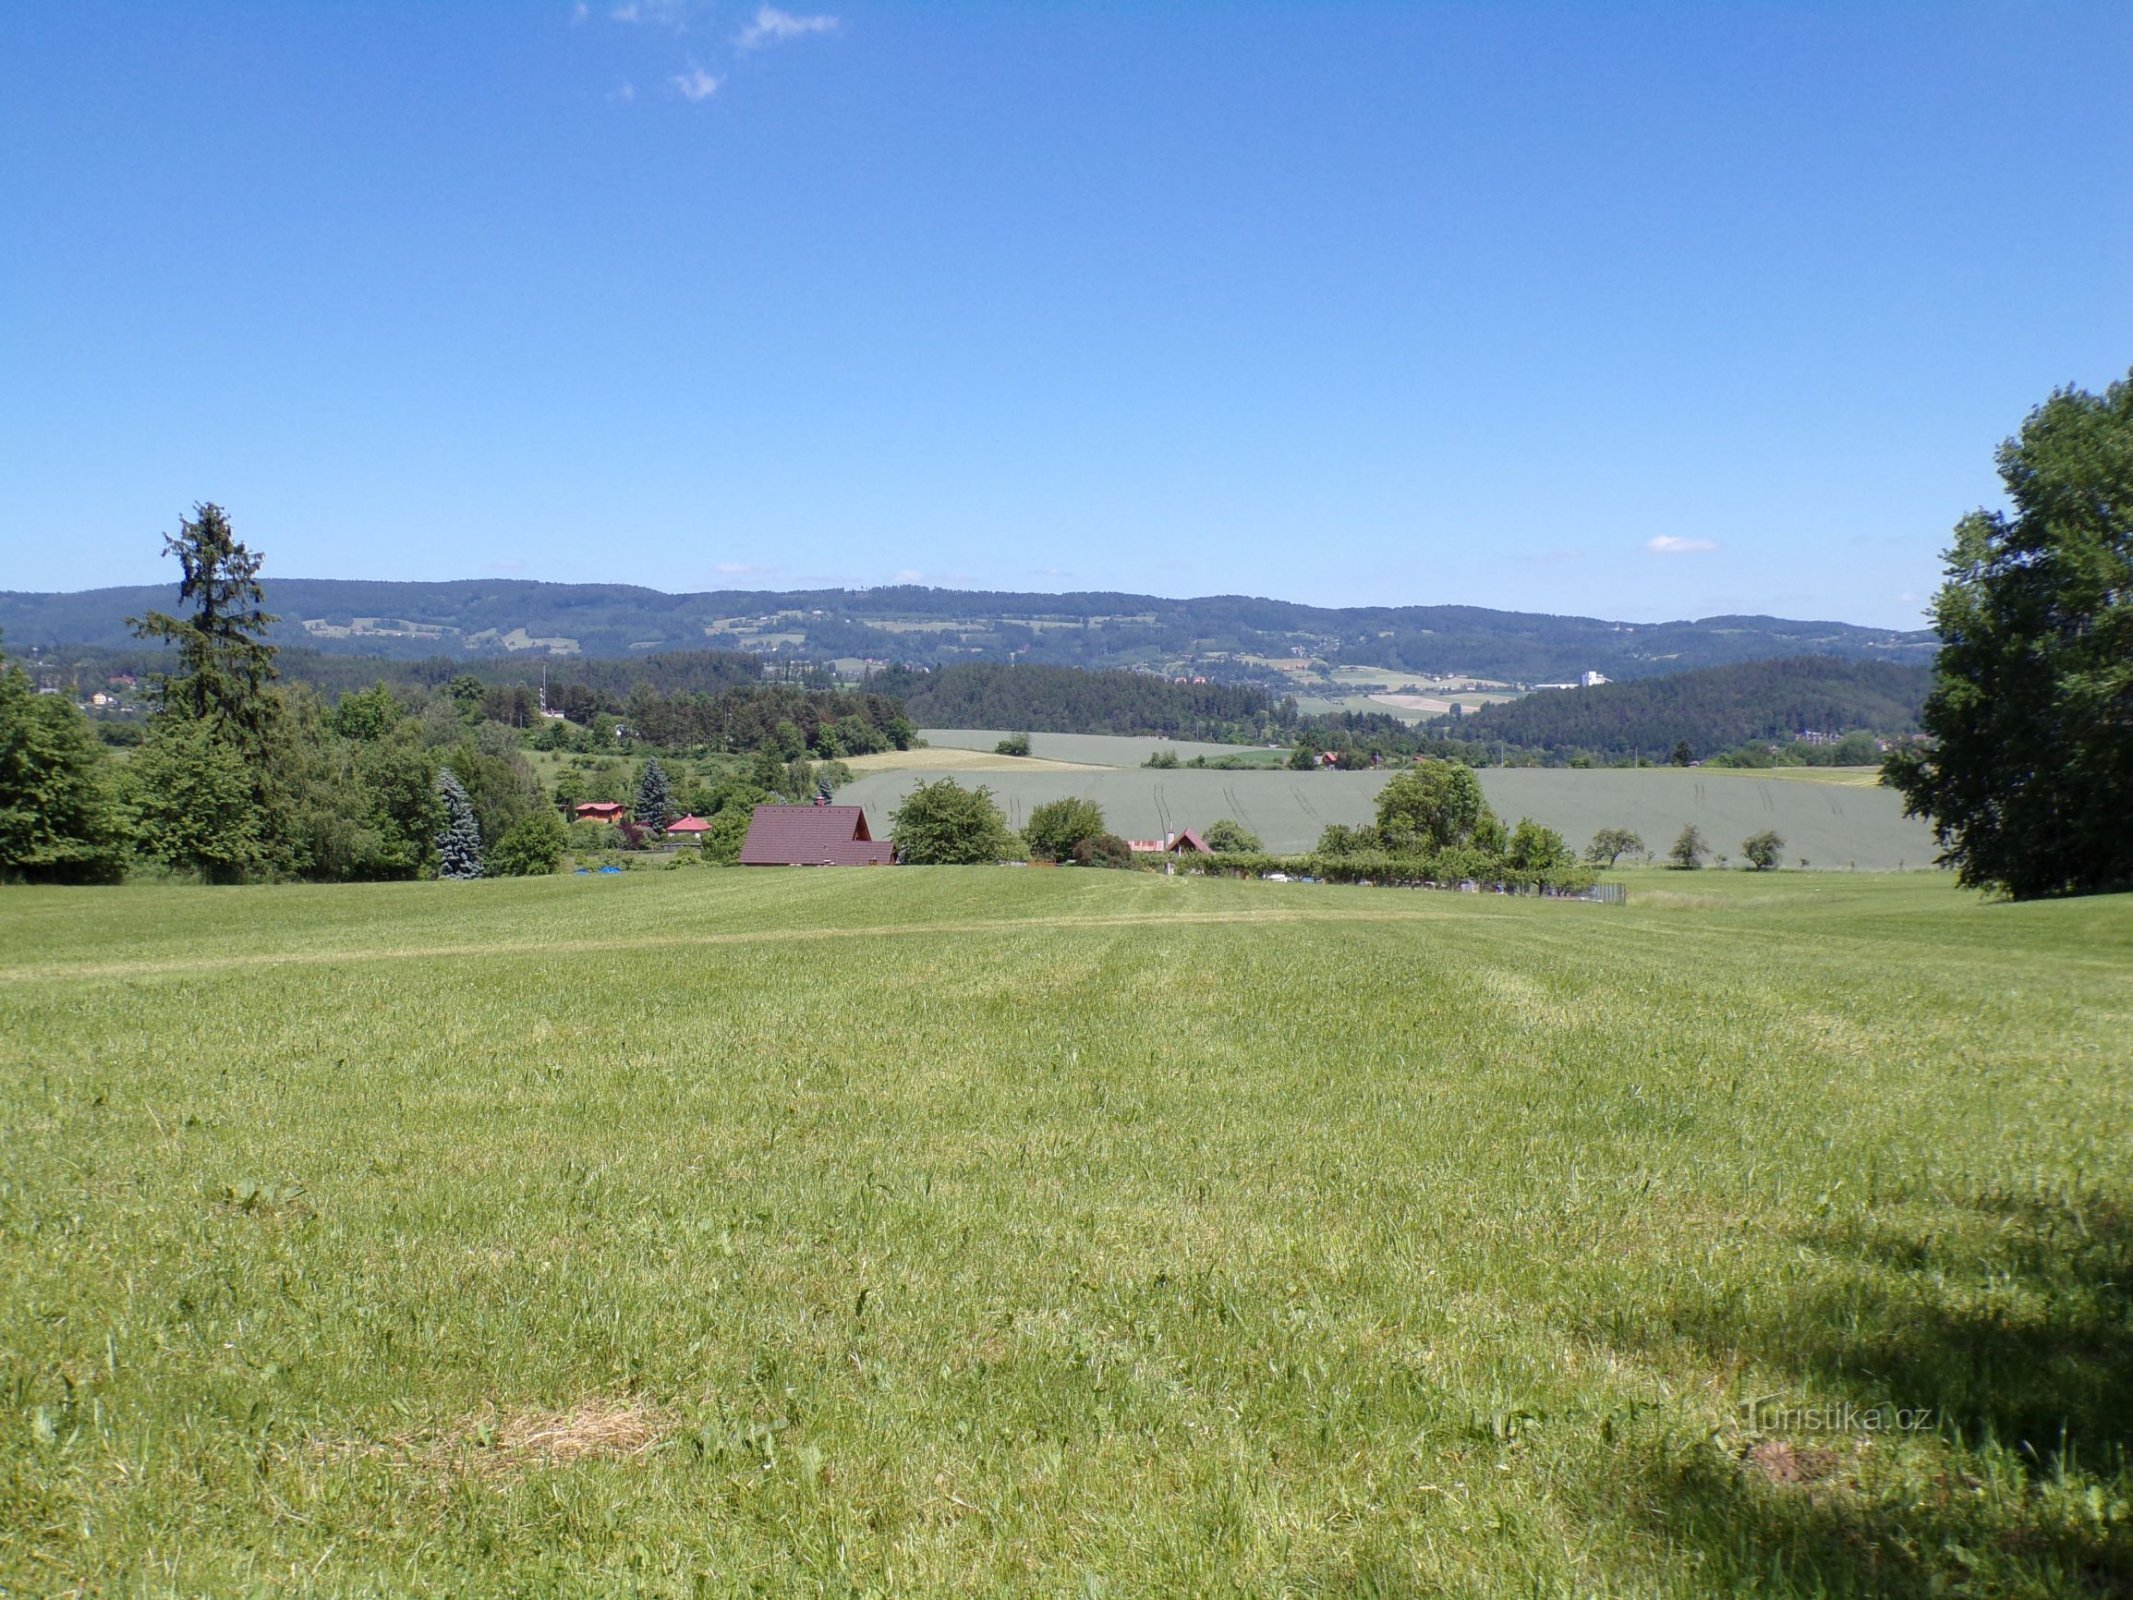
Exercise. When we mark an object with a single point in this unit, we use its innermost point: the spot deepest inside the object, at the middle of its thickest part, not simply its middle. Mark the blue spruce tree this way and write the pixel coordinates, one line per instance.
(459, 841)
(655, 796)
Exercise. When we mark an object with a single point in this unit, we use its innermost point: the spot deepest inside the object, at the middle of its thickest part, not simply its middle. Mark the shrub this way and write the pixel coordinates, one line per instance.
(1015, 744)
(1055, 827)
(1103, 850)
(1229, 837)
(1762, 849)
(1688, 850)
(531, 847)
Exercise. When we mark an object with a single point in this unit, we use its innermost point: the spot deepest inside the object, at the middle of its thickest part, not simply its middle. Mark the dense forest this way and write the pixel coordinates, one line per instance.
(1214, 635)
(1040, 699)
(1711, 710)
(608, 681)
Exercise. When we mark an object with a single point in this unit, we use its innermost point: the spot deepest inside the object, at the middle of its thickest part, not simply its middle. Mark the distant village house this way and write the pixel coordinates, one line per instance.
(1186, 843)
(813, 836)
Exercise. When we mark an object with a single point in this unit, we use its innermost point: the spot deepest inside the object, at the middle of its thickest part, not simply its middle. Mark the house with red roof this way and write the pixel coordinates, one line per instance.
(689, 827)
(813, 836)
(1187, 843)
(600, 811)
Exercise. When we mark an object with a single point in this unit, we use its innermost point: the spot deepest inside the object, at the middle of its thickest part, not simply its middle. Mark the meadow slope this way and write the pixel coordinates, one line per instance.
(978, 1231)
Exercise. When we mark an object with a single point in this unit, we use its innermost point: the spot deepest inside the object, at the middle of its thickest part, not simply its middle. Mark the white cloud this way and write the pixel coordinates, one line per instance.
(1667, 545)
(908, 575)
(626, 93)
(772, 25)
(697, 84)
(659, 13)
(579, 12)
(738, 569)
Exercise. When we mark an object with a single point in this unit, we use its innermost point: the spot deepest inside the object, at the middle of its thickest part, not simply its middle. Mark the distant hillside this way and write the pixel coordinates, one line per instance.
(1216, 636)
(1713, 708)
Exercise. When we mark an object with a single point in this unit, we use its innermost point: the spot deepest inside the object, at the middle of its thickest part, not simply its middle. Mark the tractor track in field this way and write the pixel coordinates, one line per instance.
(181, 966)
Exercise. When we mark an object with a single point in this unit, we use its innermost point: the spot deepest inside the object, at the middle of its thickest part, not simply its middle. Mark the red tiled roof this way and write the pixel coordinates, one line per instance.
(812, 836)
(689, 824)
(1181, 842)
(600, 808)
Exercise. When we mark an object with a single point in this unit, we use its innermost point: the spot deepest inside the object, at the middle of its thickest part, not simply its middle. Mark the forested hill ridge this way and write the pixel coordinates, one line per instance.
(1040, 699)
(1710, 709)
(1225, 636)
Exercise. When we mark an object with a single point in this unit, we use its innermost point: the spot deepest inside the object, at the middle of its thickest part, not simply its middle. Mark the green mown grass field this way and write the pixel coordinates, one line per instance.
(980, 1231)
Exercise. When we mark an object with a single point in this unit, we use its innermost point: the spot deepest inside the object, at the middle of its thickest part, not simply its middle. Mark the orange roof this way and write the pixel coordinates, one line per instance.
(689, 824)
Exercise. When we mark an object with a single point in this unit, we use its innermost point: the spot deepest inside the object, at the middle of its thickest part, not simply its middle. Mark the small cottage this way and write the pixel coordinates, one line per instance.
(813, 836)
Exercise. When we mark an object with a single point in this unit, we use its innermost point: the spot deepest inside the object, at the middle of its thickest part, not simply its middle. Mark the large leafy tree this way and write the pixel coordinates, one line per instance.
(943, 824)
(1437, 806)
(194, 804)
(57, 820)
(2028, 775)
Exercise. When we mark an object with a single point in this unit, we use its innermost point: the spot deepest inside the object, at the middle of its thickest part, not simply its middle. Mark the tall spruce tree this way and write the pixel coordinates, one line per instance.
(222, 649)
(655, 796)
(459, 841)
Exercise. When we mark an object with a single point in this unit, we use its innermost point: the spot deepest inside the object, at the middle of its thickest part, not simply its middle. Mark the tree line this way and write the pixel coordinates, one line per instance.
(1711, 709)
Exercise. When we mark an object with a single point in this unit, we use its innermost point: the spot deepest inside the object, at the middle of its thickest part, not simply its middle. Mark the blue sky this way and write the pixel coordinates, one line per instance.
(1616, 309)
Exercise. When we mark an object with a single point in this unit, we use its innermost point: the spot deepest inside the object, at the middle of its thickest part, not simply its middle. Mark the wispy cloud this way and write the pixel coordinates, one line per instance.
(579, 12)
(1668, 545)
(696, 84)
(772, 26)
(657, 13)
(907, 575)
(741, 569)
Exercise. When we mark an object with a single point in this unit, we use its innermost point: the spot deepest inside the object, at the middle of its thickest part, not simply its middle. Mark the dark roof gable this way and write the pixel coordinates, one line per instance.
(812, 836)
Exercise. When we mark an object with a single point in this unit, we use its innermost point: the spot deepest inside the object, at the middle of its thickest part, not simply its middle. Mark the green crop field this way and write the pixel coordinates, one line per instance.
(983, 1231)
(1831, 824)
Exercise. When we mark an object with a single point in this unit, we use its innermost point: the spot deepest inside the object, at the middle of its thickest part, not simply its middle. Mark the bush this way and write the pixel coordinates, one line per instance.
(729, 831)
(587, 838)
(1163, 760)
(1762, 849)
(1103, 850)
(1055, 827)
(531, 847)
(1229, 837)
(1015, 744)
